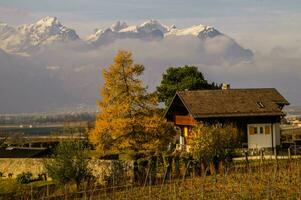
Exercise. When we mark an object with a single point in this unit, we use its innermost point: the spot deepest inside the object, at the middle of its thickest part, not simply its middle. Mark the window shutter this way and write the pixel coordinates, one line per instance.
(267, 129)
(251, 130)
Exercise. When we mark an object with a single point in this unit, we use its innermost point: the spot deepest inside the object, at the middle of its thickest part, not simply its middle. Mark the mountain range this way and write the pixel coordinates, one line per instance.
(45, 65)
(29, 38)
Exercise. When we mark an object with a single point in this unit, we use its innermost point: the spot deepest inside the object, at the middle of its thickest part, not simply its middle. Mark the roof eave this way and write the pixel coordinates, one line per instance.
(168, 107)
(184, 103)
(182, 100)
(283, 103)
(239, 115)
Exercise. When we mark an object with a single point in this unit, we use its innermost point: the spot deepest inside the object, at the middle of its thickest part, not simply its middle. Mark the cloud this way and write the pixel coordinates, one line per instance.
(280, 69)
(73, 75)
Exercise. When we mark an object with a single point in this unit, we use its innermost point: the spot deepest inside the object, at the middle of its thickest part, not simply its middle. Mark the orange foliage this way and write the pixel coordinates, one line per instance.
(128, 117)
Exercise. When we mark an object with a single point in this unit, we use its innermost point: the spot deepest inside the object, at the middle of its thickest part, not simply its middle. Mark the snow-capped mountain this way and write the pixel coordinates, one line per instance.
(47, 30)
(214, 42)
(201, 31)
(6, 31)
(28, 37)
(151, 29)
(119, 26)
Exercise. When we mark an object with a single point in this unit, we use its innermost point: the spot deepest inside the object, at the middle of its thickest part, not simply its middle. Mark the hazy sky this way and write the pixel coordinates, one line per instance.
(270, 28)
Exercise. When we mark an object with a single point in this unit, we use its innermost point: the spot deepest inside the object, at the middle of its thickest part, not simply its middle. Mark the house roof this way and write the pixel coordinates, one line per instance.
(233, 102)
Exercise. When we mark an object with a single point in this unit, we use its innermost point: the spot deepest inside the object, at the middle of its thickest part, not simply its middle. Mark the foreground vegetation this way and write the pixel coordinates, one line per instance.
(267, 180)
(282, 181)
(12, 185)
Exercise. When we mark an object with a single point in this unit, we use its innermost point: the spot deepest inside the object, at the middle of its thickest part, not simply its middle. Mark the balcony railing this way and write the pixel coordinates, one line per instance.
(184, 120)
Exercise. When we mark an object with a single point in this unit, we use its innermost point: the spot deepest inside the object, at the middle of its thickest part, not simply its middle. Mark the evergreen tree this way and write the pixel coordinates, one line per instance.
(179, 79)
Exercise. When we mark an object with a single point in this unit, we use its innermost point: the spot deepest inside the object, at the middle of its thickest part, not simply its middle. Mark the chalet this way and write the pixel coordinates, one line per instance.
(257, 113)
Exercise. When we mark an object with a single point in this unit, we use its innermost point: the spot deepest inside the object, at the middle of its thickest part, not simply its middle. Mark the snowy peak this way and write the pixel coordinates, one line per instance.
(48, 30)
(194, 30)
(147, 27)
(49, 21)
(149, 30)
(153, 25)
(201, 31)
(94, 37)
(29, 37)
(118, 26)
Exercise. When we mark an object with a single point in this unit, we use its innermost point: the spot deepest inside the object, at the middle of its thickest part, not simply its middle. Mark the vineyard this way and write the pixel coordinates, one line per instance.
(257, 180)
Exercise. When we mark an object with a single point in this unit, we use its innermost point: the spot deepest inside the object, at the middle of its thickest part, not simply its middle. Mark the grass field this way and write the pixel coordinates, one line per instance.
(10, 185)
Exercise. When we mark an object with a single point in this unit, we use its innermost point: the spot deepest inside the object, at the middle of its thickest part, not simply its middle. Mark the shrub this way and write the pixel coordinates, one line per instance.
(24, 177)
(69, 163)
(213, 143)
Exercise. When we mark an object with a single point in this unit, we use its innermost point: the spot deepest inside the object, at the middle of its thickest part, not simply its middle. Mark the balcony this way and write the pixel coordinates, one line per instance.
(184, 120)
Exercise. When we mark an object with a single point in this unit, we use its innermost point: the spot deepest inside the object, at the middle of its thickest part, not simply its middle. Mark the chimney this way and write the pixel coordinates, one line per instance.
(225, 86)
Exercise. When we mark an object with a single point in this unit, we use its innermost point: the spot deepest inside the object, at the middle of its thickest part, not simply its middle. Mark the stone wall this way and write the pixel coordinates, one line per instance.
(101, 169)
(18, 165)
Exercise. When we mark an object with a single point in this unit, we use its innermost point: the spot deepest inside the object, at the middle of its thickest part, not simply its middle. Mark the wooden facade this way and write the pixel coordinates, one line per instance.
(185, 120)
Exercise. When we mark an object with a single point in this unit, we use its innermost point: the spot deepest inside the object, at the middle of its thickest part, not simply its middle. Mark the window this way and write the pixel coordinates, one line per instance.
(260, 104)
(267, 129)
(259, 129)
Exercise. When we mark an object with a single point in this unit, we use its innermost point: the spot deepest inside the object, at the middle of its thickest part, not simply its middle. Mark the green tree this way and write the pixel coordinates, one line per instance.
(179, 79)
(69, 163)
(129, 117)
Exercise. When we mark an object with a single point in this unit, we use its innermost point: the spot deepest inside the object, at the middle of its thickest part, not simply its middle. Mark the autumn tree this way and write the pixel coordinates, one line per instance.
(182, 78)
(213, 141)
(128, 117)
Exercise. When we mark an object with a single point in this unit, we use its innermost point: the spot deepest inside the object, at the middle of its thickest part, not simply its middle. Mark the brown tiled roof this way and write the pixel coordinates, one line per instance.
(233, 102)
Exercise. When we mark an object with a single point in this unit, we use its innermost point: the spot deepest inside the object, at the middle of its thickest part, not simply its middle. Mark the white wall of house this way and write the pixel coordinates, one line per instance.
(182, 140)
(260, 135)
